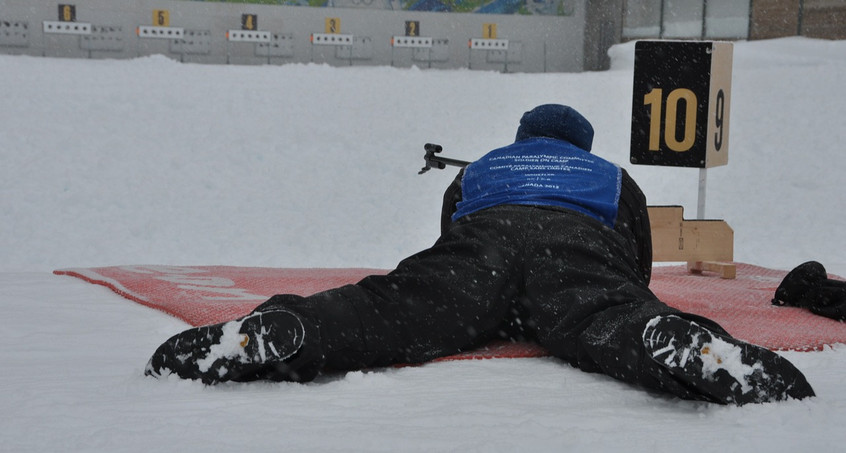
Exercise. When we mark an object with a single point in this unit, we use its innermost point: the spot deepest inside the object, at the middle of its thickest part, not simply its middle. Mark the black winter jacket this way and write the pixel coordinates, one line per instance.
(632, 219)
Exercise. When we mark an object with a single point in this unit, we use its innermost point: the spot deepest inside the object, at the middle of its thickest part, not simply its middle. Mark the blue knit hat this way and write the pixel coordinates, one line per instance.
(556, 121)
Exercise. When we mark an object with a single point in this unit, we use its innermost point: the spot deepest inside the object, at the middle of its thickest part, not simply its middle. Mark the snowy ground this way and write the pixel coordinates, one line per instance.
(154, 162)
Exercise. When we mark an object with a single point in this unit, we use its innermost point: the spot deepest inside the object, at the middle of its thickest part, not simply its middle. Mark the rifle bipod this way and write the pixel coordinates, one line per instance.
(437, 161)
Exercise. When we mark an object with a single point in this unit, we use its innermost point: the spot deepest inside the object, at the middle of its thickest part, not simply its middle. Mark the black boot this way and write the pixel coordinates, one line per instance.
(257, 346)
(721, 368)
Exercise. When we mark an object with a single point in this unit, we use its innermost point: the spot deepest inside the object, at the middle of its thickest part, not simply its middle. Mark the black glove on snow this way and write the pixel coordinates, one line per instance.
(808, 286)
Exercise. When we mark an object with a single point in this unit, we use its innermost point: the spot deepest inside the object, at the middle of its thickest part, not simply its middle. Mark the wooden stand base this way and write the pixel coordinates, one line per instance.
(726, 270)
(705, 245)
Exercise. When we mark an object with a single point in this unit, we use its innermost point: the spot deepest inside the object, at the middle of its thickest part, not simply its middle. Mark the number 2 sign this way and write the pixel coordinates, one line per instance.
(680, 108)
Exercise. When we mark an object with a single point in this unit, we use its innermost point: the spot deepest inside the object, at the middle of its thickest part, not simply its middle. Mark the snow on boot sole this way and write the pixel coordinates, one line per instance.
(723, 369)
(230, 351)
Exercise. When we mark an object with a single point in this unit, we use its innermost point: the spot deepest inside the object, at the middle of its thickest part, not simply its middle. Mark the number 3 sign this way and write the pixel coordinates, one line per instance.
(680, 108)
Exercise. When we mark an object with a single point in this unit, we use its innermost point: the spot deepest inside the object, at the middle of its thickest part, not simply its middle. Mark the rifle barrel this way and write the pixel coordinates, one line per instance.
(448, 161)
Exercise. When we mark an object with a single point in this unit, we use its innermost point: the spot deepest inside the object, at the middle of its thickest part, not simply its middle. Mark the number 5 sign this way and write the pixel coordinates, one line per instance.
(680, 108)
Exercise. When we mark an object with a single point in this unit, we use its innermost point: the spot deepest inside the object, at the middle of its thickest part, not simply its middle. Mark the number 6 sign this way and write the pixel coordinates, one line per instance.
(680, 108)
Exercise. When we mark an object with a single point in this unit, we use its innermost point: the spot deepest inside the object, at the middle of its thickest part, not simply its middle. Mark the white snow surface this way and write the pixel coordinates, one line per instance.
(150, 161)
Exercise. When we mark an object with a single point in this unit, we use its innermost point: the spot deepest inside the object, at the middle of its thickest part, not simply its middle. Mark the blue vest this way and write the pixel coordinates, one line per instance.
(542, 171)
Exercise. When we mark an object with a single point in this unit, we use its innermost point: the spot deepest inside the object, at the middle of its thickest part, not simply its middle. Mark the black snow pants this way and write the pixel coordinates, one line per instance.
(556, 277)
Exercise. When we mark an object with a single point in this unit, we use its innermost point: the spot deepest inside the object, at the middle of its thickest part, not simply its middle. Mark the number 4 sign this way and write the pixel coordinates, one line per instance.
(680, 108)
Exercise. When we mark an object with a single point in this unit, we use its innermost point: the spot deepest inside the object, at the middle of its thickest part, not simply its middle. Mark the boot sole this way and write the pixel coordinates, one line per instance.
(234, 350)
(723, 369)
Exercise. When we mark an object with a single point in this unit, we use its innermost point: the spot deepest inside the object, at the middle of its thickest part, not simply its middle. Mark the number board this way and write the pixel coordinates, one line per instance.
(67, 13)
(412, 28)
(489, 31)
(333, 25)
(161, 18)
(680, 107)
(249, 22)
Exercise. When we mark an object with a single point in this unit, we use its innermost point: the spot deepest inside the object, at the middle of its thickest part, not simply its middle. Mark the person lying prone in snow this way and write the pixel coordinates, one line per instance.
(541, 241)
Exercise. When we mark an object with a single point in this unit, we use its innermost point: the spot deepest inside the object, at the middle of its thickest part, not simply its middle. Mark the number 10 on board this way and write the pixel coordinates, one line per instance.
(680, 108)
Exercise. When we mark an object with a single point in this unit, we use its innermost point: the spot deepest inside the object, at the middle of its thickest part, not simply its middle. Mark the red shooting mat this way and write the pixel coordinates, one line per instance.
(210, 294)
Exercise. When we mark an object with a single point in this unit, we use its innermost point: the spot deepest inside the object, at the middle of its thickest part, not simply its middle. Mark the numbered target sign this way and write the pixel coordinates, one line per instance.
(67, 13)
(249, 22)
(412, 28)
(489, 31)
(161, 18)
(333, 25)
(680, 108)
